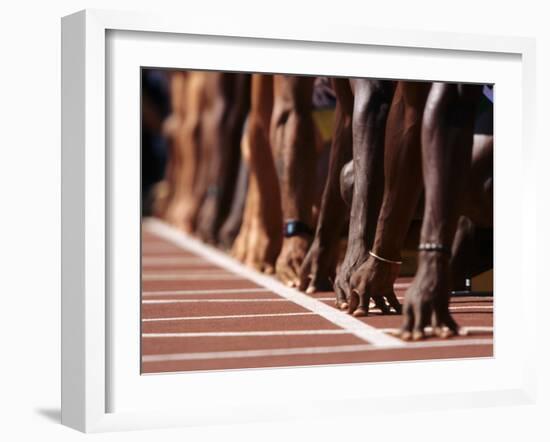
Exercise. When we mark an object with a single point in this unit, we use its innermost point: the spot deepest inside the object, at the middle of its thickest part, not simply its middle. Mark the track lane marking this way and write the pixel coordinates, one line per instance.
(182, 301)
(217, 276)
(259, 315)
(203, 292)
(162, 260)
(353, 325)
(463, 331)
(307, 350)
(338, 331)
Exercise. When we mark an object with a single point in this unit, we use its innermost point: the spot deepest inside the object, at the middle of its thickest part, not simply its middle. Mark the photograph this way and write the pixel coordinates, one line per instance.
(300, 220)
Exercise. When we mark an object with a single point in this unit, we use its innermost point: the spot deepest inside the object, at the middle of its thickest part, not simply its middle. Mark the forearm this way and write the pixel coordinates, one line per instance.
(402, 169)
(372, 102)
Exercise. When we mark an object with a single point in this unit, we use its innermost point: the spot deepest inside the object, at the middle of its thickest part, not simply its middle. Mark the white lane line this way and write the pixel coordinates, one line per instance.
(336, 331)
(147, 245)
(161, 250)
(454, 299)
(218, 276)
(201, 266)
(203, 292)
(183, 301)
(307, 350)
(167, 260)
(195, 318)
(452, 308)
(342, 319)
(464, 331)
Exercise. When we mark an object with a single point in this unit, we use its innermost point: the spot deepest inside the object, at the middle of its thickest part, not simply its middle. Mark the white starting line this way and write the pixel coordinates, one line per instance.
(347, 322)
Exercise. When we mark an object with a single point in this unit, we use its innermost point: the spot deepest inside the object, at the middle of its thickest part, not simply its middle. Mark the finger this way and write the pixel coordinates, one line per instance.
(319, 281)
(353, 301)
(312, 288)
(283, 275)
(269, 269)
(305, 277)
(421, 313)
(363, 306)
(293, 273)
(295, 266)
(436, 324)
(445, 318)
(408, 321)
(341, 299)
(256, 265)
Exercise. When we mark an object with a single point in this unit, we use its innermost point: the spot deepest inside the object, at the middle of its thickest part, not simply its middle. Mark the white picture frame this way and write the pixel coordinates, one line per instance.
(87, 209)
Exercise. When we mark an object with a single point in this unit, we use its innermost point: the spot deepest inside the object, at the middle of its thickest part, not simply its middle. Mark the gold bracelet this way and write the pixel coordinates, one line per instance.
(384, 259)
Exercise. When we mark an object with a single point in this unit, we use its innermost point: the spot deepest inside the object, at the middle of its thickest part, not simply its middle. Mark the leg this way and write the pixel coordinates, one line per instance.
(402, 187)
(447, 135)
(319, 266)
(372, 99)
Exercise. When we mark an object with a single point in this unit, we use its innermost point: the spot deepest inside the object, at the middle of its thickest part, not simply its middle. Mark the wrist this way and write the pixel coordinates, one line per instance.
(295, 227)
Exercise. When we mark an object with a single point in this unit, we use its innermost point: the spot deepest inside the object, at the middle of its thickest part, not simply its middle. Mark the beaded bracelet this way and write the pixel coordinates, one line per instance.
(433, 247)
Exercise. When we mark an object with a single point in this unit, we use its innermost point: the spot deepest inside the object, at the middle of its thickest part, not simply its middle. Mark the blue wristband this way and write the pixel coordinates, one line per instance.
(295, 228)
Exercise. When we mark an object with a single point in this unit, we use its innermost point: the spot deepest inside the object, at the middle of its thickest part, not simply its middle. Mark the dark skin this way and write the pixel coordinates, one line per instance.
(232, 224)
(402, 190)
(447, 138)
(318, 269)
(228, 103)
(346, 183)
(475, 225)
(402, 187)
(293, 139)
(372, 99)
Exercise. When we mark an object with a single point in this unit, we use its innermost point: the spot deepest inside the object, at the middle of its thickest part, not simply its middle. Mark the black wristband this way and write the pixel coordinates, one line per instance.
(295, 228)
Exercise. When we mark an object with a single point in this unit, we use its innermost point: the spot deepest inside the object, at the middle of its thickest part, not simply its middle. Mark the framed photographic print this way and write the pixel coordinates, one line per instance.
(252, 215)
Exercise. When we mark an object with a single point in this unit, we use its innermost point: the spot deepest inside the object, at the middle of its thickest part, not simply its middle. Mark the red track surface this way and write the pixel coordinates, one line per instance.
(197, 315)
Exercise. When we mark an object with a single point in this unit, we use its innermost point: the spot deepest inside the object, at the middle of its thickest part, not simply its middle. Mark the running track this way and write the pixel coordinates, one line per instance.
(202, 310)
